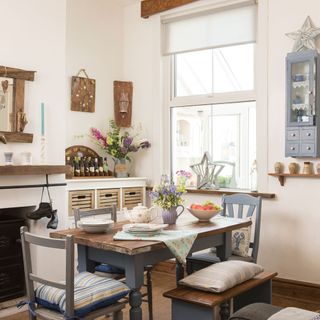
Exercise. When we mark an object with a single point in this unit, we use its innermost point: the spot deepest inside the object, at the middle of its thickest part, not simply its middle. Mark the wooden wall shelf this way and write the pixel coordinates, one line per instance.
(34, 170)
(282, 176)
(17, 137)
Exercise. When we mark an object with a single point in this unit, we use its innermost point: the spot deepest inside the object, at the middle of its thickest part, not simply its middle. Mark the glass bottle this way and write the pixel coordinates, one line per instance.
(91, 167)
(86, 167)
(82, 167)
(105, 167)
(96, 167)
(100, 163)
(254, 177)
(76, 167)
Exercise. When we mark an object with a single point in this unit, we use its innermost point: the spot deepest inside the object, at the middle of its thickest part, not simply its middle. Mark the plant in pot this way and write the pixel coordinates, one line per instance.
(119, 144)
(168, 196)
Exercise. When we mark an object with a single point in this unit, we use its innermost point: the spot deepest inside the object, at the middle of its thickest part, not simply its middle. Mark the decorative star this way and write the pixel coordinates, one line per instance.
(305, 37)
(206, 172)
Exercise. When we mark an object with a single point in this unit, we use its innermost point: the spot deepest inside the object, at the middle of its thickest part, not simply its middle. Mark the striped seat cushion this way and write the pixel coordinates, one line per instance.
(222, 276)
(91, 292)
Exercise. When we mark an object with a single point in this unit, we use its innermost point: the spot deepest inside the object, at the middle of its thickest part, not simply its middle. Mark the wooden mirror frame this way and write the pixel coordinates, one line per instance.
(19, 77)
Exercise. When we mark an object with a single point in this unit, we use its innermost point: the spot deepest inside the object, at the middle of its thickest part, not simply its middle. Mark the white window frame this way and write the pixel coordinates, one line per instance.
(212, 99)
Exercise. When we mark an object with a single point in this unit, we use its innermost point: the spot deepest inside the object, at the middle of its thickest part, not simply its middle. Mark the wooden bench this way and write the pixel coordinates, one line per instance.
(193, 304)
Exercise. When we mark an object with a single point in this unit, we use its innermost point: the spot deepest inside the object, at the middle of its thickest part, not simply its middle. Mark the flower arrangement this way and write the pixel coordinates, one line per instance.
(117, 143)
(168, 194)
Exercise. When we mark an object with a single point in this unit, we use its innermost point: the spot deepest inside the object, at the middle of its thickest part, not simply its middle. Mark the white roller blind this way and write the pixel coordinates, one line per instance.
(217, 29)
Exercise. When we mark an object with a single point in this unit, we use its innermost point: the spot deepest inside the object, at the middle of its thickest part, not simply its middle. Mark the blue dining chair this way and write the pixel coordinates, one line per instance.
(108, 269)
(80, 296)
(246, 206)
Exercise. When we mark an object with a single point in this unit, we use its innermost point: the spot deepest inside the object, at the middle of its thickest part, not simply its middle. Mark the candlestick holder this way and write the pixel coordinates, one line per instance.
(43, 150)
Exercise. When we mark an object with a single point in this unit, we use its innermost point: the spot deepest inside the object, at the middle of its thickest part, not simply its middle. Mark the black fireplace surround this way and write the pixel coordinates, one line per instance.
(12, 284)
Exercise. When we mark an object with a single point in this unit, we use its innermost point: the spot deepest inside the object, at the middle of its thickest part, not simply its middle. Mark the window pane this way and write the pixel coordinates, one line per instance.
(233, 68)
(228, 69)
(193, 73)
(224, 130)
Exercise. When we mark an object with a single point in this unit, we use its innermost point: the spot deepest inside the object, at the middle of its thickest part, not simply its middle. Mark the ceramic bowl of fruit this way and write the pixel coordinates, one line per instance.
(206, 211)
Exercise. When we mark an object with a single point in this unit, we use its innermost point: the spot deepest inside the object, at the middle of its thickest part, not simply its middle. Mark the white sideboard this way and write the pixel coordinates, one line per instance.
(92, 193)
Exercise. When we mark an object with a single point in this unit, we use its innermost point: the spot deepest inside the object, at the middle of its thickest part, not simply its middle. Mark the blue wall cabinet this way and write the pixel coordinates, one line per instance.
(302, 105)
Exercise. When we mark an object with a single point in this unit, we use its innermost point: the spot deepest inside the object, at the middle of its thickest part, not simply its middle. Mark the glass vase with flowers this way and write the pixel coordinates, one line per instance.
(168, 196)
(119, 144)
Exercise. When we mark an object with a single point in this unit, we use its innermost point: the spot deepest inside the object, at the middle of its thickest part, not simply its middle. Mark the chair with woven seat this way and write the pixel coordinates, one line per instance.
(110, 270)
(85, 296)
(202, 259)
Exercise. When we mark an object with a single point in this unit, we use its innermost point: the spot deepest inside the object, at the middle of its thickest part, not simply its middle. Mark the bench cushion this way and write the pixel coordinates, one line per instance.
(91, 292)
(222, 276)
(255, 311)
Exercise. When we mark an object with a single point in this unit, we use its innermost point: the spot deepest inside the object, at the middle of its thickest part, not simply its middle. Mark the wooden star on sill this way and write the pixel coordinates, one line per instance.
(304, 37)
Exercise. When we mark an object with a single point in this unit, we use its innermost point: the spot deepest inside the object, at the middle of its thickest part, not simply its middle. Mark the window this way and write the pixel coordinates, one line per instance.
(212, 104)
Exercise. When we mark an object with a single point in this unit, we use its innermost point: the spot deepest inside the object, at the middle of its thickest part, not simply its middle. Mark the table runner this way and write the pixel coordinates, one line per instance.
(178, 242)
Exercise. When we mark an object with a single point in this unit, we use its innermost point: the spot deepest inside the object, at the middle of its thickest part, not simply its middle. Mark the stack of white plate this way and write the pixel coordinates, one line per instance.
(95, 225)
(144, 229)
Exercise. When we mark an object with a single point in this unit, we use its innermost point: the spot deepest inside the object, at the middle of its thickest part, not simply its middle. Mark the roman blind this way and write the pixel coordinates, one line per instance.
(220, 27)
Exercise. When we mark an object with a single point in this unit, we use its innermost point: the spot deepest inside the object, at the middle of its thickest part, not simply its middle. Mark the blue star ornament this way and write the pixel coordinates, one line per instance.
(304, 37)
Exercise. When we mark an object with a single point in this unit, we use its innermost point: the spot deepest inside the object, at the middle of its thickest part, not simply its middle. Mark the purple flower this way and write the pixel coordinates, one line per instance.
(123, 150)
(145, 145)
(133, 148)
(127, 141)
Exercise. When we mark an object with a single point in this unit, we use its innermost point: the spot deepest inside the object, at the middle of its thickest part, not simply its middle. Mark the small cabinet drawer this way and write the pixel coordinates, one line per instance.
(108, 197)
(132, 197)
(293, 135)
(82, 199)
(292, 149)
(308, 134)
(307, 149)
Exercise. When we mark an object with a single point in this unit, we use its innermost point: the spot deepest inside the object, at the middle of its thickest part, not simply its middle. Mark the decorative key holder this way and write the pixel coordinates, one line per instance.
(83, 91)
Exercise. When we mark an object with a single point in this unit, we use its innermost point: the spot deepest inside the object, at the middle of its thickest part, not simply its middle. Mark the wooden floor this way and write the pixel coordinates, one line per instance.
(162, 309)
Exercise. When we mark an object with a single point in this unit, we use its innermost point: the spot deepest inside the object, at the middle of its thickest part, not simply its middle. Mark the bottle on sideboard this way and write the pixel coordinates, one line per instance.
(91, 167)
(76, 167)
(100, 163)
(105, 167)
(81, 163)
(96, 167)
(86, 167)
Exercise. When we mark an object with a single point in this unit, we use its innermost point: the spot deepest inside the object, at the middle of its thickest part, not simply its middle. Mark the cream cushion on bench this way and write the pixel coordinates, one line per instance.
(222, 276)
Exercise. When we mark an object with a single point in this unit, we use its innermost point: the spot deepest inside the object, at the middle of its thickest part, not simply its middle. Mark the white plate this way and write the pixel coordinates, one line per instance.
(95, 225)
(143, 227)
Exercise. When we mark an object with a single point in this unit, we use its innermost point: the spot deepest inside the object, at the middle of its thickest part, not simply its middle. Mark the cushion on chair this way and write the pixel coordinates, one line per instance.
(108, 268)
(91, 292)
(255, 311)
(241, 241)
(222, 276)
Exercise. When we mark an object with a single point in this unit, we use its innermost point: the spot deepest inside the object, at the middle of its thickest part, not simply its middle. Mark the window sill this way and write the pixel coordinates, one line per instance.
(228, 192)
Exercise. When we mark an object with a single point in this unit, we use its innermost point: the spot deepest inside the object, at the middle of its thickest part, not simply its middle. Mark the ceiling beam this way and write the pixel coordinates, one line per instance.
(151, 7)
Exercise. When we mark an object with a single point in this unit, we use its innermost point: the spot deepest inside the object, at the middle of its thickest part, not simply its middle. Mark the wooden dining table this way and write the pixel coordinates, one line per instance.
(133, 256)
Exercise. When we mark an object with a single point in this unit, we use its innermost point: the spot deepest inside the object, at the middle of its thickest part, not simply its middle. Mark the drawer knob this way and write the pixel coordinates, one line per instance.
(293, 148)
(308, 134)
(308, 148)
(293, 134)
(81, 197)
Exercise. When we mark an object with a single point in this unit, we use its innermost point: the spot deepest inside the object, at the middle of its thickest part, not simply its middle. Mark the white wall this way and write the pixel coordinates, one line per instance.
(290, 223)
(33, 38)
(94, 42)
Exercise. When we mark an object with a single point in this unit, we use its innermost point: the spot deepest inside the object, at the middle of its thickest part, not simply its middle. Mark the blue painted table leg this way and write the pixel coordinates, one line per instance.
(224, 251)
(84, 264)
(134, 279)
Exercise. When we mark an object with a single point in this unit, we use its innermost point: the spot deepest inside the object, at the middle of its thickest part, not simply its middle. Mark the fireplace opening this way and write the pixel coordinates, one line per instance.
(12, 283)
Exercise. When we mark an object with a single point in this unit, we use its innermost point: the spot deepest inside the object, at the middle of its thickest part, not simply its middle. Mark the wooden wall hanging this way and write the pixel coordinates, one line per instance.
(122, 92)
(151, 7)
(83, 92)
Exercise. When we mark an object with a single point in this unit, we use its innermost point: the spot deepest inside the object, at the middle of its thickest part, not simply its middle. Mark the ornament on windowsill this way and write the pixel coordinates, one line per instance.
(207, 172)
(304, 37)
(122, 92)
(83, 93)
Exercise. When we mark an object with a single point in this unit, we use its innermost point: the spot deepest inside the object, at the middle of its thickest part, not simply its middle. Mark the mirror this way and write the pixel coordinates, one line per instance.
(6, 103)
(12, 116)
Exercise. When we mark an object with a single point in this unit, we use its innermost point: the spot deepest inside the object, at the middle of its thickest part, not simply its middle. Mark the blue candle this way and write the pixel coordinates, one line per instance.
(42, 118)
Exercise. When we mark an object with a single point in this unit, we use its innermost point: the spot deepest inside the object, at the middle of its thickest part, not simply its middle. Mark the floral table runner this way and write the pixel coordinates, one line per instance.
(178, 242)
